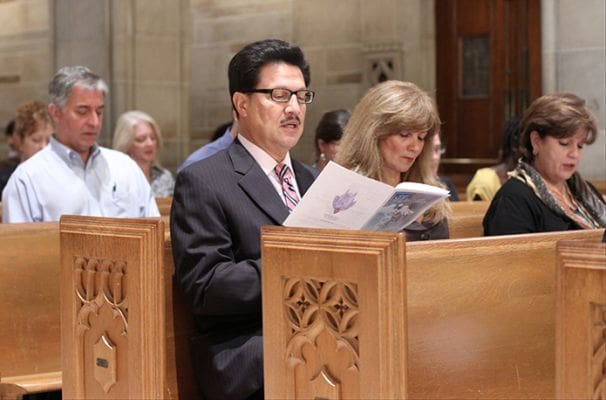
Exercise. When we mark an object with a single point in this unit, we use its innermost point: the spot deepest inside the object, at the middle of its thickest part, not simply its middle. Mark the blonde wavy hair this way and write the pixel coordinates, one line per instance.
(124, 134)
(389, 108)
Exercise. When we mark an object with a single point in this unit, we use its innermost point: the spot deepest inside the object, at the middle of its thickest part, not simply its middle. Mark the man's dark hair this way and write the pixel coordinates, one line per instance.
(331, 127)
(220, 130)
(244, 67)
(509, 141)
(9, 129)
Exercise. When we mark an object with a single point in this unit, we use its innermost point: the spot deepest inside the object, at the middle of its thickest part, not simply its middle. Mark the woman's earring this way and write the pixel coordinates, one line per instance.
(322, 157)
(535, 152)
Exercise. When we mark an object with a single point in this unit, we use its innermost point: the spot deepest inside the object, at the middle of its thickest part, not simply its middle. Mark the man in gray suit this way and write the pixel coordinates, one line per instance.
(221, 202)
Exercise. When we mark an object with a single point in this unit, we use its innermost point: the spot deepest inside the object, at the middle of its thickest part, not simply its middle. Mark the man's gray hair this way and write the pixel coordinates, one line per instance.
(66, 78)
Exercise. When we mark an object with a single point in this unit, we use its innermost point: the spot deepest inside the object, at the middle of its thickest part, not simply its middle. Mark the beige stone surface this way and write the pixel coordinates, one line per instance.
(157, 59)
(581, 24)
(23, 16)
(170, 57)
(326, 23)
(381, 20)
(161, 101)
(157, 17)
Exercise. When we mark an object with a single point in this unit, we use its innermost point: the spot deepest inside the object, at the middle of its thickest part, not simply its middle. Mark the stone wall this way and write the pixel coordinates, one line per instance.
(26, 55)
(342, 39)
(150, 67)
(169, 57)
(574, 60)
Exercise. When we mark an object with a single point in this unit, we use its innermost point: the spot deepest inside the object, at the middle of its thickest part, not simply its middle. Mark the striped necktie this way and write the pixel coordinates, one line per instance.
(291, 198)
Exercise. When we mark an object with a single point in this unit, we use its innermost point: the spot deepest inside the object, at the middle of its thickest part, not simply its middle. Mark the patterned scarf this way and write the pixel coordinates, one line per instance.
(591, 210)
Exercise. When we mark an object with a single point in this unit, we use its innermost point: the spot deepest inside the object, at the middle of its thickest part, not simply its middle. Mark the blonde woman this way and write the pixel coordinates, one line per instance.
(138, 135)
(388, 138)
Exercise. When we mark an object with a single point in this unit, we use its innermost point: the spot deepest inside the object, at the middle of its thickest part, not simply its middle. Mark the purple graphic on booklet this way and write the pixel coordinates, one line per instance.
(343, 202)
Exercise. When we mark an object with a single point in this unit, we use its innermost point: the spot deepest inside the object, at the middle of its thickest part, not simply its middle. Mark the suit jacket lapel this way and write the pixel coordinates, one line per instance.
(256, 184)
(304, 176)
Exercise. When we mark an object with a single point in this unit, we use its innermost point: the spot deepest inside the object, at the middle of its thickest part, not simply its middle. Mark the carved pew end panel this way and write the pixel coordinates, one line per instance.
(333, 314)
(581, 320)
(111, 285)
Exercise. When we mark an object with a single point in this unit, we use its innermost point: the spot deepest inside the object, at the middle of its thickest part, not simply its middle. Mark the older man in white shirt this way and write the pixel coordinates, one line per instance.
(73, 175)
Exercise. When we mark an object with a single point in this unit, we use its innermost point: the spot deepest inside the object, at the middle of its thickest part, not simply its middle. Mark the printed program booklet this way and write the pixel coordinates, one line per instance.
(343, 199)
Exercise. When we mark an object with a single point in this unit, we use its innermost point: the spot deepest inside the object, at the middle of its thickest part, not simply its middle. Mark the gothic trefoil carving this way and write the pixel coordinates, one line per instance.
(322, 315)
(383, 62)
(598, 351)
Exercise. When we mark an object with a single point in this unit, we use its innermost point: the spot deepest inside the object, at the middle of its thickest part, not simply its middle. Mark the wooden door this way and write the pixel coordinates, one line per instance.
(488, 69)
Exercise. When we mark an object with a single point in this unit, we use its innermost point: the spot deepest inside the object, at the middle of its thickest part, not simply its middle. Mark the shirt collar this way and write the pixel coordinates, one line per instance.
(67, 154)
(265, 161)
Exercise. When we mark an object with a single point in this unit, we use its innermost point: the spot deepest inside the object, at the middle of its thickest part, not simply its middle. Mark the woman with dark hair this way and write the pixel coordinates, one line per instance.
(487, 181)
(328, 134)
(545, 192)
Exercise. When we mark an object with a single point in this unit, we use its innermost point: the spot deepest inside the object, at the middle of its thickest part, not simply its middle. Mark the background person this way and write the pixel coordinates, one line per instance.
(33, 127)
(388, 138)
(487, 181)
(437, 150)
(328, 134)
(138, 135)
(9, 164)
(219, 206)
(10, 139)
(545, 192)
(73, 175)
(227, 133)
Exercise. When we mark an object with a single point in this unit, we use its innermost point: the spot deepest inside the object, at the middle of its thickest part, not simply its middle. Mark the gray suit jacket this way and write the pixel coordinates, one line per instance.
(219, 206)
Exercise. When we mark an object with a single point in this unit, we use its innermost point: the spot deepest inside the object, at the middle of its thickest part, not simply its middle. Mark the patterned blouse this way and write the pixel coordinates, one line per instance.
(162, 182)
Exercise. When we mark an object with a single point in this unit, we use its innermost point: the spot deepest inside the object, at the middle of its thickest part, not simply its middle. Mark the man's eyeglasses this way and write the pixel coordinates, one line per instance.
(281, 95)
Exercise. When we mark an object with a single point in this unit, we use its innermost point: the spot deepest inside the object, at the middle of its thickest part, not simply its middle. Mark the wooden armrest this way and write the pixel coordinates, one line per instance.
(8, 391)
(32, 383)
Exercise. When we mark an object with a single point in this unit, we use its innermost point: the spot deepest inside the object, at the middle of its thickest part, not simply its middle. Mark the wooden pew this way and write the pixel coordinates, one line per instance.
(581, 320)
(124, 327)
(480, 314)
(164, 204)
(30, 359)
(333, 314)
(466, 219)
(600, 184)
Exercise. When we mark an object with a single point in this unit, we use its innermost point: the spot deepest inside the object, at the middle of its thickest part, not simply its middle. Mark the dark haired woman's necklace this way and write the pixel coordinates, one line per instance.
(563, 197)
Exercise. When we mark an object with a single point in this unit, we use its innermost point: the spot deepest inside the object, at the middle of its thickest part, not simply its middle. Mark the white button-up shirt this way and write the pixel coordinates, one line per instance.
(55, 181)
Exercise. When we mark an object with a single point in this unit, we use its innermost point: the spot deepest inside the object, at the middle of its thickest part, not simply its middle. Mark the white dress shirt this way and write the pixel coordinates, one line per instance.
(267, 164)
(55, 181)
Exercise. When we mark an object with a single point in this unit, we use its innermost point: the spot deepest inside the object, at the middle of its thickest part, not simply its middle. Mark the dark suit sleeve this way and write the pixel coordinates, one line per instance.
(216, 277)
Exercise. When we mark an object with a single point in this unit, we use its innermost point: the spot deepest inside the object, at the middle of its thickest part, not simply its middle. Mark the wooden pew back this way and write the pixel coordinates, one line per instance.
(29, 306)
(600, 185)
(333, 314)
(124, 327)
(466, 219)
(164, 204)
(481, 316)
(581, 320)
